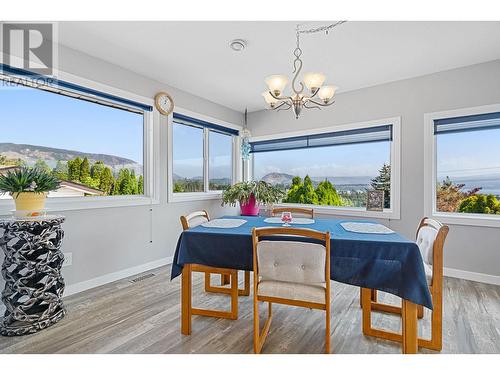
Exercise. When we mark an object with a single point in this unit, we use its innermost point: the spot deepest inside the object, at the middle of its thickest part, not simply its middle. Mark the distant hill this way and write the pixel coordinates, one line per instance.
(278, 179)
(286, 179)
(179, 177)
(31, 153)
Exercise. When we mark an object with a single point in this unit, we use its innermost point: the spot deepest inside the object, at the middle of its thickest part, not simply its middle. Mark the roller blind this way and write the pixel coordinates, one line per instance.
(467, 123)
(373, 134)
(186, 120)
(30, 79)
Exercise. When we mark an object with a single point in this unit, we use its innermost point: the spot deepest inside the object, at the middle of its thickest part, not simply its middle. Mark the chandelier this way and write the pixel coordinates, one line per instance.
(318, 96)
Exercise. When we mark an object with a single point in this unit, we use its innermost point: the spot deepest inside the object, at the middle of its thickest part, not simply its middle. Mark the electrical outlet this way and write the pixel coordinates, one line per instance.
(68, 259)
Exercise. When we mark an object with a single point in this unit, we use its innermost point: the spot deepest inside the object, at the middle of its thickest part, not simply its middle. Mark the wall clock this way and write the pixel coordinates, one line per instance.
(164, 103)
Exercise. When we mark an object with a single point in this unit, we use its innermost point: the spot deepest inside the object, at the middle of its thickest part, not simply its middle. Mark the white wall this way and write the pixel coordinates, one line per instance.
(472, 249)
(109, 240)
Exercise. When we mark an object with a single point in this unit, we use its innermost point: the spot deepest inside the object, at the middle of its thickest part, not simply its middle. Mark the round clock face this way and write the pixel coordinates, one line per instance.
(164, 103)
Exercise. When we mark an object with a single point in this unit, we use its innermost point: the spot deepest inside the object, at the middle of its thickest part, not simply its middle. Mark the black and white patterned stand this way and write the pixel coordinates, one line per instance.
(32, 271)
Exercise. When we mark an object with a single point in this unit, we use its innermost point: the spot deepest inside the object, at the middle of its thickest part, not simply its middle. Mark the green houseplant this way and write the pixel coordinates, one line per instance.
(249, 194)
(29, 187)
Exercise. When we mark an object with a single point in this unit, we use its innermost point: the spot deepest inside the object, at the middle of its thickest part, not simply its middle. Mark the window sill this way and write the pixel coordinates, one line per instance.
(477, 220)
(188, 197)
(87, 203)
(345, 211)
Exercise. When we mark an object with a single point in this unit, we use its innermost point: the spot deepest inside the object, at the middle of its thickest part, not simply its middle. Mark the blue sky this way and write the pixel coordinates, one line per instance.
(347, 160)
(36, 117)
(188, 152)
(469, 154)
(471, 158)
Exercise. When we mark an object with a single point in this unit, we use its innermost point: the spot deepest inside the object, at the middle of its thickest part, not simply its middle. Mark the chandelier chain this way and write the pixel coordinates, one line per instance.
(319, 29)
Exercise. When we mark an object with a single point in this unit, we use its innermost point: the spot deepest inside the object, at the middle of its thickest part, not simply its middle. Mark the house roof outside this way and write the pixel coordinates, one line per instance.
(4, 169)
(80, 187)
(64, 183)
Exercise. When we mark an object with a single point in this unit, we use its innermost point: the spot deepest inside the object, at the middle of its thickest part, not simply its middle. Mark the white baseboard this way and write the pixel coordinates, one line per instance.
(472, 276)
(110, 277)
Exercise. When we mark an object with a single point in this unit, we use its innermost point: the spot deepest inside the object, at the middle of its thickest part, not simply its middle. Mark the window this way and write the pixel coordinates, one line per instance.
(332, 169)
(202, 156)
(467, 164)
(187, 158)
(94, 142)
(220, 162)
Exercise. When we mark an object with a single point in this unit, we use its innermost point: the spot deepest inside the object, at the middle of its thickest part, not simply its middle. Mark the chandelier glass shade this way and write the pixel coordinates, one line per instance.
(317, 95)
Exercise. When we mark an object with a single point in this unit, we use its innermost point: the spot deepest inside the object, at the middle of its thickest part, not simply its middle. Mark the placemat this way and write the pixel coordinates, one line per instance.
(224, 223)
(366, 228)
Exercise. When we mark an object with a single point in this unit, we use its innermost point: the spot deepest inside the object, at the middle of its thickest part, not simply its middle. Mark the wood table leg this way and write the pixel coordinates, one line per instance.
(366, 296)
(246, 290)
(410, 334)
(234, 295)
(186, 300)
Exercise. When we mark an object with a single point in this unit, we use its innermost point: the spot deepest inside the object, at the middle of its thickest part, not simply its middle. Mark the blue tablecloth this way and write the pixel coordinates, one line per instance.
(386, 262)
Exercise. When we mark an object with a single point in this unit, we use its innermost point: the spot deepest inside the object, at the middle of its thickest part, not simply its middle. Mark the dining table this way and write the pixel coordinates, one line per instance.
(384, 261)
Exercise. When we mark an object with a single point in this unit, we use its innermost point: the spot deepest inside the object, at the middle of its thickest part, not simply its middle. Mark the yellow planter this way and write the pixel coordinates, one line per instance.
(29, 201)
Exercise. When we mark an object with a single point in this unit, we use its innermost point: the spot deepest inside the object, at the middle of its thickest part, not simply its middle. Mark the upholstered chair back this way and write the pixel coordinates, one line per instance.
(290, 261)
(197, 220)
(425, 241)
(194, 219)
(431, 235)
(296, 211)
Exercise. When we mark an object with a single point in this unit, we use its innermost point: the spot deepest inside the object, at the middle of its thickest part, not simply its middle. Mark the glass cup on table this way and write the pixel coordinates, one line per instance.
(286, 218)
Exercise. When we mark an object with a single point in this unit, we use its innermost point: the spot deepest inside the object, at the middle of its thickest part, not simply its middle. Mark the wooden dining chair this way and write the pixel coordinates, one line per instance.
(296, 211)
(197, 218)
(291, 273)
(430, 238)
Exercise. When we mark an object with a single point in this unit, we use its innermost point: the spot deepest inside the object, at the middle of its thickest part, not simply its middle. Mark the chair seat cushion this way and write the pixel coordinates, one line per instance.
(428, 273)
(295, 291)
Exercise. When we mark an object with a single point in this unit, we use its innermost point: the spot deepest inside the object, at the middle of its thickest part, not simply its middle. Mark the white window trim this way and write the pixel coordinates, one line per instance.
(394, 211)
(482, 220)
(207, 194)
(151, 160)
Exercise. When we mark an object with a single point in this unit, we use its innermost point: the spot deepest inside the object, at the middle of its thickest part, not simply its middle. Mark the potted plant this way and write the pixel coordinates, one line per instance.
(29, 187)
(250, 194)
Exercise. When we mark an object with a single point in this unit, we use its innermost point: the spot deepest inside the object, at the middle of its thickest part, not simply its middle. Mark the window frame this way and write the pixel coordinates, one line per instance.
(430, 170)
(150, 159)
(395, 160)
(206, 194)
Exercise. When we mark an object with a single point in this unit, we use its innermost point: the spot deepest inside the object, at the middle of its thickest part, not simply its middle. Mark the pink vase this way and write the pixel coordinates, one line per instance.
(251, 208)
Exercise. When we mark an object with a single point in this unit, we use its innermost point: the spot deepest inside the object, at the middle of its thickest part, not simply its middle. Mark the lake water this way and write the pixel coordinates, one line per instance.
(488, 185)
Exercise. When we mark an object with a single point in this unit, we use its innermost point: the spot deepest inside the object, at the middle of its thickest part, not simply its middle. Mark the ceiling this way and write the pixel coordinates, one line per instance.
(195, 57)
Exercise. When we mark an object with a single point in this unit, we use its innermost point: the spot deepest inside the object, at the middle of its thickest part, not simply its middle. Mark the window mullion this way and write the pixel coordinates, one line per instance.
(146, 152)
(205, 160)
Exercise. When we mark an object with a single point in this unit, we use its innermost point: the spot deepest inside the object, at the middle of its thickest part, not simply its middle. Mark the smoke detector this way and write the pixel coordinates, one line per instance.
(237, 45)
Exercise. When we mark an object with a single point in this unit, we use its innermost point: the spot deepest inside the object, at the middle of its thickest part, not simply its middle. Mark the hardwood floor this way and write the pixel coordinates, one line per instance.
(144, 317)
